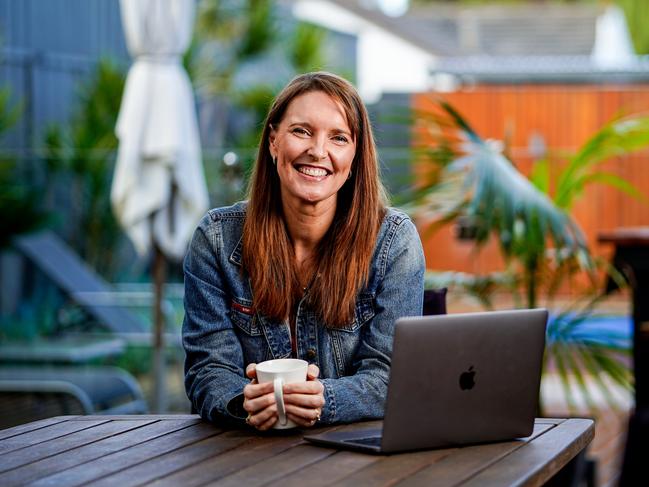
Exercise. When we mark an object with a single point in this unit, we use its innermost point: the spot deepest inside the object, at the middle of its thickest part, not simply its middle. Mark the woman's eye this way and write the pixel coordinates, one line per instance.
(341, 138)
(300, 131)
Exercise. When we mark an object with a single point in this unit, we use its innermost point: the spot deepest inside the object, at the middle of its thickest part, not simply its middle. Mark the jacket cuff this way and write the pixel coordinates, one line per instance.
(235, 407)
(328, 414)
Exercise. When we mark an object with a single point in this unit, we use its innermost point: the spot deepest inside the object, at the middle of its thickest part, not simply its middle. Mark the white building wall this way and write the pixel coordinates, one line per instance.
(385, 62)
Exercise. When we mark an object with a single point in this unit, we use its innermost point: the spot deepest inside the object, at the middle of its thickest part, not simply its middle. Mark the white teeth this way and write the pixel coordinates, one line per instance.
(312, 171)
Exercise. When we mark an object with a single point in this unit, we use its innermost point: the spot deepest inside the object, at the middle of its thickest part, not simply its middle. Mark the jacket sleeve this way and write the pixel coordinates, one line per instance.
(402, 265)
(214, 373)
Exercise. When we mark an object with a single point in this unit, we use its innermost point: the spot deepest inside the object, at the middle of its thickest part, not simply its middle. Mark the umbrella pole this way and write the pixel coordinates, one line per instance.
(159, 378)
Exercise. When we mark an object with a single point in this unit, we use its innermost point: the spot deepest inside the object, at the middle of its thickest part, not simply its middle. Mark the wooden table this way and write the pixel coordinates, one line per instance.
(183, 450)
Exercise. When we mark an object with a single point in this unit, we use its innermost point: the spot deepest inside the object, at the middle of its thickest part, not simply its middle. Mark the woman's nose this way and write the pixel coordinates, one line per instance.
(318, 150)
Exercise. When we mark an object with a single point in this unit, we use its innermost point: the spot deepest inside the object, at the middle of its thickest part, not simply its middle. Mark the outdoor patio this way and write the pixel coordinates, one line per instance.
(513, 134)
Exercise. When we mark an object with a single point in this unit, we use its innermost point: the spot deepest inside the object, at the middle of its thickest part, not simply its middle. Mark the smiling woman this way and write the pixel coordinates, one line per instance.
(313, 266)
(313, 148)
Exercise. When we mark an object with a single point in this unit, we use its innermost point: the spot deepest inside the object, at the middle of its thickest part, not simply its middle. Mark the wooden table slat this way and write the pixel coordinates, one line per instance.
(54, 446)
(128, 457)
(35, 425)
(77, 456)
(390, 469)
(535, 465)
(214, 468)
(175, 460)
(260, 473)
(41, 435)
(331, 469)
(145, 417)
(465, 462)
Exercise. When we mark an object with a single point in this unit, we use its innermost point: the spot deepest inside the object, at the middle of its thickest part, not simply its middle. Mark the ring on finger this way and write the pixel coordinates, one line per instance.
(317, 415)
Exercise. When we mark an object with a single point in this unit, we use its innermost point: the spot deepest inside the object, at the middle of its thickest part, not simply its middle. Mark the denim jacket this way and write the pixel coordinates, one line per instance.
(222, 332)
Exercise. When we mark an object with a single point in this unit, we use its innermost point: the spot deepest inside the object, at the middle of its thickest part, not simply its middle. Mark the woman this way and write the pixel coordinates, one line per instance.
(313, 266)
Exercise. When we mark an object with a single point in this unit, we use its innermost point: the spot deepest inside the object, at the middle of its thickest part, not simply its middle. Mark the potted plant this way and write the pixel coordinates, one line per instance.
(469, 180)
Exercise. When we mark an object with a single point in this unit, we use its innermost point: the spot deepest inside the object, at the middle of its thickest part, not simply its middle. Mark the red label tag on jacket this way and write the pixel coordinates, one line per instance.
(246, 310)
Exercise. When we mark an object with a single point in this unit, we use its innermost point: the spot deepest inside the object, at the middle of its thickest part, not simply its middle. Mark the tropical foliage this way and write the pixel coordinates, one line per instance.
(468, 179)
(81, 157)
(21, 203)
(235, 41)
(242, 53)
(618, 137)
(637, 12)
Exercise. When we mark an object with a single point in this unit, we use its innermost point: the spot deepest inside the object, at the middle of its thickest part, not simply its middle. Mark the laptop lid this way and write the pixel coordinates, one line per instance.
(464, 378)
(457, 379)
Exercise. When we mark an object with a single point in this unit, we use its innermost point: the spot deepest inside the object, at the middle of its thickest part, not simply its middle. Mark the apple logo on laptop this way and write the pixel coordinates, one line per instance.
(467, 379)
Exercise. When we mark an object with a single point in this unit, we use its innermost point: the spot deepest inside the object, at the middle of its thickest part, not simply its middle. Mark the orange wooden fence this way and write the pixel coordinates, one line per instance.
(565, 116)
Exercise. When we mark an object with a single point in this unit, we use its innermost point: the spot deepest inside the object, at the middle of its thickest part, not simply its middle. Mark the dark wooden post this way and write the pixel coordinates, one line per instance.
(632, 258)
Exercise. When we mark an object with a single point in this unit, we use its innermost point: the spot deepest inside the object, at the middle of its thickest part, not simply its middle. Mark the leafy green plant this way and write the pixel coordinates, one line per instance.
(636, 12)
(21, 204)
(233, 41)
(620, 136)
(541, 245)
(481, 185)
(83, 156)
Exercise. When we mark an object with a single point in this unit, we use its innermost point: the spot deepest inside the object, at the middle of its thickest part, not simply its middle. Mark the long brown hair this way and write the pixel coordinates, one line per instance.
(345, 252)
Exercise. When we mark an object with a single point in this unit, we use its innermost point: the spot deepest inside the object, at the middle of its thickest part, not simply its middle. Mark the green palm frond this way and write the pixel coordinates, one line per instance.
(583, 353)
(260, 31)
(21, 208)
(305, 48)
(9, 110)
(484, 186)
(619, 137)
(470, 178)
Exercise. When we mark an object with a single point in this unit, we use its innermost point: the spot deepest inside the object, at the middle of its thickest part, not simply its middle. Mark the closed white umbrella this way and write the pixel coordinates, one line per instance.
(159, 191)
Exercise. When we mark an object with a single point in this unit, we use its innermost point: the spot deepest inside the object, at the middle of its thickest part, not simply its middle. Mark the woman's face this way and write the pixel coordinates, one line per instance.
(313, 147)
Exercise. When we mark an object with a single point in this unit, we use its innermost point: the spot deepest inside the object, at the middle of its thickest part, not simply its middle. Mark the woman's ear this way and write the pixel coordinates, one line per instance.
(272, 137)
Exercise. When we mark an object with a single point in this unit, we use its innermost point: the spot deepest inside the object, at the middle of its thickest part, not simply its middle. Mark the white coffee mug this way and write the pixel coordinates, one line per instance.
(279, 372)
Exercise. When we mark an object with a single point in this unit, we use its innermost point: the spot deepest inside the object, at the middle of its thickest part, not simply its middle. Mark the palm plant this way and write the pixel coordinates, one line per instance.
(234, 43)
(84, 155)
(636, 12)
(470, 179)
(20, 203)
(231, 36)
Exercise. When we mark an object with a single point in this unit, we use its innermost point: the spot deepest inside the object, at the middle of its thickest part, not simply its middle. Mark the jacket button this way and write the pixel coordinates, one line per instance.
(310, 354)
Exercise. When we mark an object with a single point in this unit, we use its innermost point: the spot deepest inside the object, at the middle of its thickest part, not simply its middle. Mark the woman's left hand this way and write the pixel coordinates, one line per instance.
(304, 400)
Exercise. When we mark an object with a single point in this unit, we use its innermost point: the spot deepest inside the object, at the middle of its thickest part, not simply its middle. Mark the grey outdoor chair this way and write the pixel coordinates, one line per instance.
(31, 393)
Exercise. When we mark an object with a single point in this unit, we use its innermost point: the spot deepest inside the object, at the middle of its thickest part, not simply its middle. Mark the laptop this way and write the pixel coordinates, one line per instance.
(456, 379)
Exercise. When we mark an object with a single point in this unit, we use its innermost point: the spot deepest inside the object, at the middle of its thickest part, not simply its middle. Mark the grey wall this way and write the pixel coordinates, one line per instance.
(46, 48)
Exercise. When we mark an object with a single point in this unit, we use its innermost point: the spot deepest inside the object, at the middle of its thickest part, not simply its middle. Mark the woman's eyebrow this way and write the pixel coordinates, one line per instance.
(335, 130)
(341, 131)
(301, 123)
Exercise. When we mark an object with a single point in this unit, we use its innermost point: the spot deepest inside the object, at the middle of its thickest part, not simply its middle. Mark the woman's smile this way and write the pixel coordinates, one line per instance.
(312, 172)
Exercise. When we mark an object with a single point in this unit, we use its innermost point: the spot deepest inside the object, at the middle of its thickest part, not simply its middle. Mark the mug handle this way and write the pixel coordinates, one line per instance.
(279, 400)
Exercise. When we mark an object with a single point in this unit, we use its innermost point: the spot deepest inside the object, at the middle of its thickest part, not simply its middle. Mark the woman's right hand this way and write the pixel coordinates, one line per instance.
(259, 401)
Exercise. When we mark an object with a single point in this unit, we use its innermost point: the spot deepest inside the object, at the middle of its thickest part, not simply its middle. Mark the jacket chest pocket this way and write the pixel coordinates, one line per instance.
(345, 340)
(249, 331)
